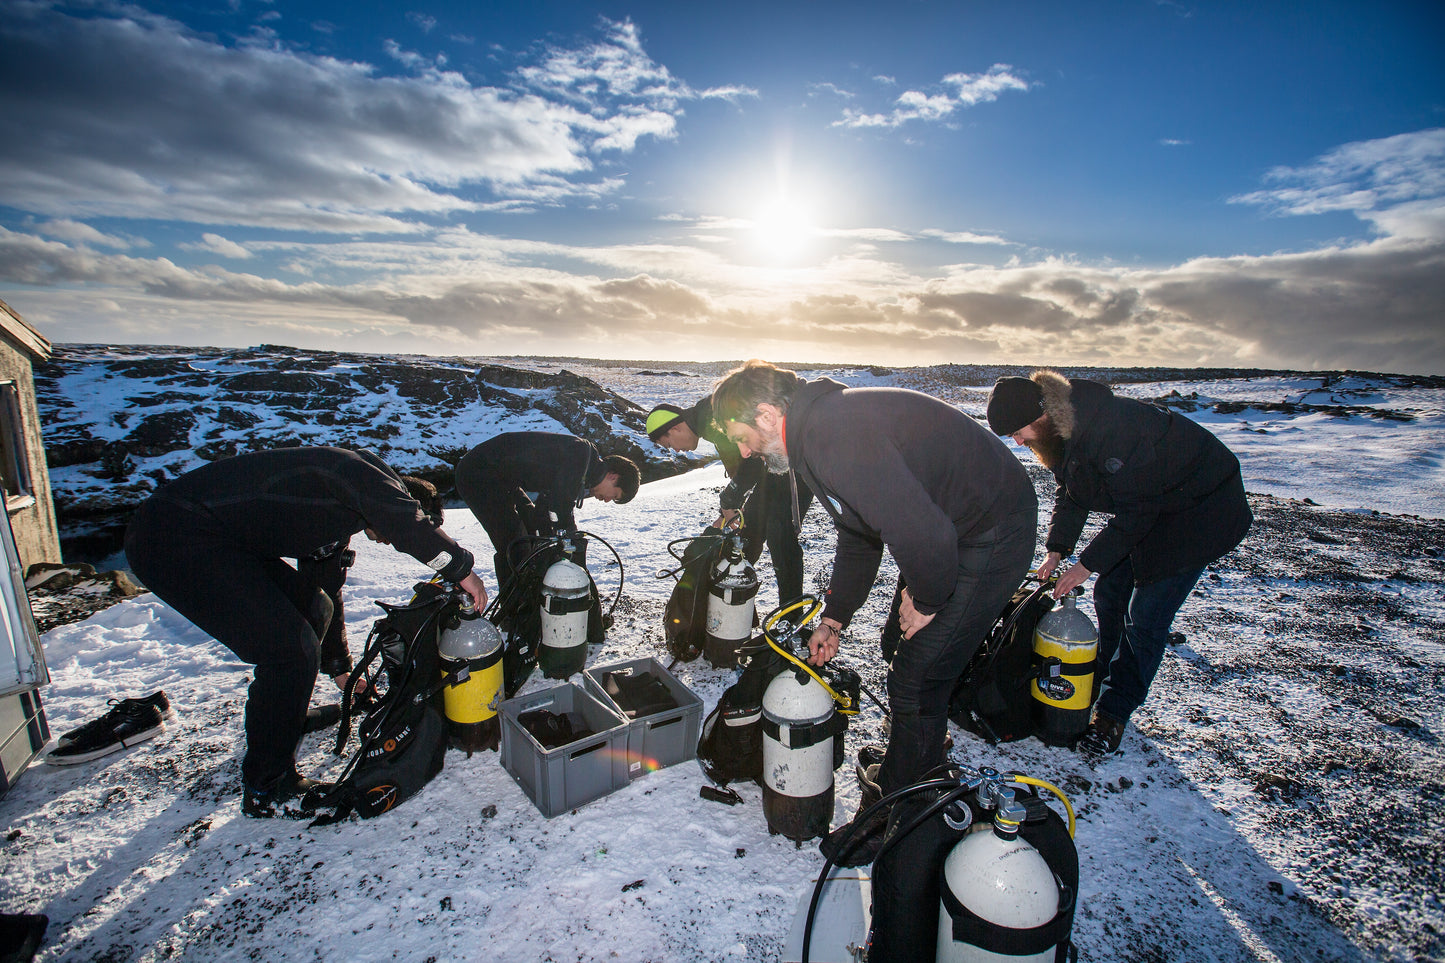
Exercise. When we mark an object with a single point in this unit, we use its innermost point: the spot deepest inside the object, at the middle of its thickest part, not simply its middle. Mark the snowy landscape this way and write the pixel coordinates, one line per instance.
(1280, 797)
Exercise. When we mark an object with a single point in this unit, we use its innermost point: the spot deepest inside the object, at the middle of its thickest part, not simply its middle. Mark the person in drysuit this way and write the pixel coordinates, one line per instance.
(212, 544)
(1176, 500)
(527, 483)
(950, 502)
(763, 498)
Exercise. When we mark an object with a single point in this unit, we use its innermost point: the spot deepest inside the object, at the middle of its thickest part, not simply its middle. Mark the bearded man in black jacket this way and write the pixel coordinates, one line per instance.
(527, 483)
(953, 506)
(1177, 502)
(212, 544)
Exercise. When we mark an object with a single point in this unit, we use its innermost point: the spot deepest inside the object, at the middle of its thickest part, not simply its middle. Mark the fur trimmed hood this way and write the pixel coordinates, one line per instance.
(1057, 403)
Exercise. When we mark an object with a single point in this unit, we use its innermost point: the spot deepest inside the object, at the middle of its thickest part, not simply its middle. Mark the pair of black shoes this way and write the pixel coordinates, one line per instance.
(127, 723)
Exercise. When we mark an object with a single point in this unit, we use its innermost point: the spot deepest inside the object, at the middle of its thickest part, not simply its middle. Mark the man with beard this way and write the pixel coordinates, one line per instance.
(901, 470)
(1177, 502)
(768, 512)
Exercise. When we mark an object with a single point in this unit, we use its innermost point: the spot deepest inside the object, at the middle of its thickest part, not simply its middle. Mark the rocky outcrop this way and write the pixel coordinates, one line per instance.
(120, 421)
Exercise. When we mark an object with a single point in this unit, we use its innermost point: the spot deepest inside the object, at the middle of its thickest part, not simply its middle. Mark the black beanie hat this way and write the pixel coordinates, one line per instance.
(1014, 403)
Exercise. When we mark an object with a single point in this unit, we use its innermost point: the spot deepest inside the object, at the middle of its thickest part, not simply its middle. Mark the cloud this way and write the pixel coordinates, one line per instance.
(129, 114)
(965, 237)
(1364, 177)
(956, 91)
(216, 244)
(75, 231)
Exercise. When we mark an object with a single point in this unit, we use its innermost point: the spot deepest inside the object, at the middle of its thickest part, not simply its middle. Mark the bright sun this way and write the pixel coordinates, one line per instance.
(783, 229)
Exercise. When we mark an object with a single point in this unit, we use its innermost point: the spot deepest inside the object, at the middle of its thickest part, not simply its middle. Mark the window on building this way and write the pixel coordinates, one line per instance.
(14, 465)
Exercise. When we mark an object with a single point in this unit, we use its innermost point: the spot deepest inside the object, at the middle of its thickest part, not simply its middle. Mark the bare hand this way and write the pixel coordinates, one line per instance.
(823, 643)
(909, 618)
(1051, 562)
(730, 518)
(1076, 575)
(473, 586)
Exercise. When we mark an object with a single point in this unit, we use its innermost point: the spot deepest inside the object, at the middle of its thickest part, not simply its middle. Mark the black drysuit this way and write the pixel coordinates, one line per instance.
(212, 545)
(526, 483)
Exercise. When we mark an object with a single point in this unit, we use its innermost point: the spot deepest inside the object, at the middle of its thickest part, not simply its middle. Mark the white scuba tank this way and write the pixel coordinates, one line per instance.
(1002, 878)
(566, 603)
(731, 603)
(797, 756)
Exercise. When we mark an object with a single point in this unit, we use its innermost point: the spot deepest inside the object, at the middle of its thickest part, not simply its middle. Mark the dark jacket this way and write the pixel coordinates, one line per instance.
(901, 469)
(743, 473)
(297, 502)
(1173, 489)
(556, 471)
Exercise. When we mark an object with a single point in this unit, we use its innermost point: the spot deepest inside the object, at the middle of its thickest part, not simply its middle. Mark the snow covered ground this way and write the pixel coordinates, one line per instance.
(1280, 797)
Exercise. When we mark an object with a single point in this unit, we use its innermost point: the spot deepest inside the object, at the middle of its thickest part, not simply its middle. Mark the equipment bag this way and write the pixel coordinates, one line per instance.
(992, 696)
(731, 747)
(403, 736)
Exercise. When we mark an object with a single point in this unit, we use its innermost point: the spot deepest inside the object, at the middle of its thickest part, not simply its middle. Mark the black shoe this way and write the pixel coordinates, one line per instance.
(862, 841)
(322, 717)
(20, 936)
(157, 699)
(263, 803)
(1103, 736)
(132, 721)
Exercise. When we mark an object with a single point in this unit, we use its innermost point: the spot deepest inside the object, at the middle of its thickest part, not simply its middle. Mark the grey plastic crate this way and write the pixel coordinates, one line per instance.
(574, 774)
(663, 738)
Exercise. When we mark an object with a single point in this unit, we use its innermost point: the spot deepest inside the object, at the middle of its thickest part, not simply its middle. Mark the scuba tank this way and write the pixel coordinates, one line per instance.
(566, 604)
(1067, 646)
(731, 602)
(999, 878)
(471, 649)
(938, 889)
(798, 732)
(804, 716)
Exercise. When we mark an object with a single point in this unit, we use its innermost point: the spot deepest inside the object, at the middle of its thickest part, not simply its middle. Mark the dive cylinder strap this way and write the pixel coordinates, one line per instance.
(970, 928)
(801, 737)
(555, 605)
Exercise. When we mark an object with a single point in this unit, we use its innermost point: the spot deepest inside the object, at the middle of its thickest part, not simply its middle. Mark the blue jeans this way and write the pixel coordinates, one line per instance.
(1134, 622)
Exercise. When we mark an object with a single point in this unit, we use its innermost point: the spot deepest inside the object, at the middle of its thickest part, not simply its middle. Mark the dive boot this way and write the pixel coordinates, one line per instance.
(856, 843)
(268, 803)
(1103, 736)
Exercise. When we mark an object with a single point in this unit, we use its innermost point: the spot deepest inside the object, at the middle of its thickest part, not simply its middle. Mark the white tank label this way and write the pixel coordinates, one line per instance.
(728, 621)
(798, 772)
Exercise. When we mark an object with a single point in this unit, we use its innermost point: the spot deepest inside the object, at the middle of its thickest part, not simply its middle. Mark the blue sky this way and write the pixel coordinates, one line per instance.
(908, 183)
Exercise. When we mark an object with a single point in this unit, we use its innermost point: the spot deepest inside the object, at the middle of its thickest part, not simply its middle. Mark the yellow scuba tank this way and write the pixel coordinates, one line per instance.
(1066, 650)
(472, 647)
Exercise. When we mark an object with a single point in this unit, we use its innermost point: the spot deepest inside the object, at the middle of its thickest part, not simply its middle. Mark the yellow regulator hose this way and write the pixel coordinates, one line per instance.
(1031, 781)
(845, 703)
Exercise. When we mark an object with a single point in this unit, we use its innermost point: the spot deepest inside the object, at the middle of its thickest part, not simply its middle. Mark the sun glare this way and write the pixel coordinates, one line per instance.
(782, 230)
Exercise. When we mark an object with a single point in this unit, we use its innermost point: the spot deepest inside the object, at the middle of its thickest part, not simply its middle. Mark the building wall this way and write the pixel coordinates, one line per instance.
(36, 534)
